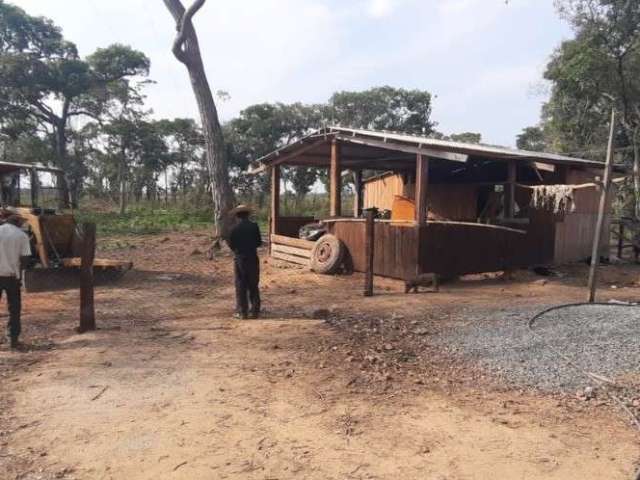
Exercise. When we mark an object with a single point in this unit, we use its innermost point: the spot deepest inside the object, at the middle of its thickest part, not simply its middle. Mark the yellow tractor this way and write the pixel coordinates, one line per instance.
(55, 237)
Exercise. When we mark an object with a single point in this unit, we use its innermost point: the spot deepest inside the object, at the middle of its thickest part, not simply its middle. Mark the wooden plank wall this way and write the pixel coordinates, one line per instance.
(395, 247)
(290, 226)
(380, 193)
(453, 202)
(446, 248)
(575, 230)
(457, 249)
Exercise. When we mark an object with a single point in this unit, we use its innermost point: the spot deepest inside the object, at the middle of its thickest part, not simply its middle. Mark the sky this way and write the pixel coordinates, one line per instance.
(482, 60)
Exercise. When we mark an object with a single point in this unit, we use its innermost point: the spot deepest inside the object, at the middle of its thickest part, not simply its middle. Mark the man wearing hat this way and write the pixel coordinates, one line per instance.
(244, 240)
(14, 249)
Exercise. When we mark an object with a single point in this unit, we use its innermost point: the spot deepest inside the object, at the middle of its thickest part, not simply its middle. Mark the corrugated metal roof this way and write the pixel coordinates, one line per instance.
(429, 145)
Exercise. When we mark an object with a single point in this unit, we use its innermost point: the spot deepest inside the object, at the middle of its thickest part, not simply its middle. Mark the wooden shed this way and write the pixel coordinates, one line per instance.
(470, 206)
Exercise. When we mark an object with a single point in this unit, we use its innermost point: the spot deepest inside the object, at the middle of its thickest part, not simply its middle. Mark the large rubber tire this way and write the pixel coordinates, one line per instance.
(327, 254)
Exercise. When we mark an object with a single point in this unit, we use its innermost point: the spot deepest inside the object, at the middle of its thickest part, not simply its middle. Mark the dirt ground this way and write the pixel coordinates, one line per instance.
(172, 387)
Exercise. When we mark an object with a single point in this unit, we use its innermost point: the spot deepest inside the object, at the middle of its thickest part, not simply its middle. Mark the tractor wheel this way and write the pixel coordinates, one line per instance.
(327, 254)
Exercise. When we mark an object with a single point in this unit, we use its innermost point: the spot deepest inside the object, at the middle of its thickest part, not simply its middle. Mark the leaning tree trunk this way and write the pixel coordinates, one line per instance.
(187, 50)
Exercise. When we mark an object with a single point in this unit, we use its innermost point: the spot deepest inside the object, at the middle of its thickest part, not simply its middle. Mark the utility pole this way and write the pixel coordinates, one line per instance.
(604, 194)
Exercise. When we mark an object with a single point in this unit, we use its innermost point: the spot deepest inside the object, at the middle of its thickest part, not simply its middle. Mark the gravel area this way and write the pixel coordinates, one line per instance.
(601, 339)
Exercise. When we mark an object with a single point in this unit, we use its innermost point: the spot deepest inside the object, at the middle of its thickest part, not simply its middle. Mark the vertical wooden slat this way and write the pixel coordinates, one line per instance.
(358, 200)
(275, 198)
(335, 176)
(510, 190)
(422, 181)
(87, 310)
(369, 233)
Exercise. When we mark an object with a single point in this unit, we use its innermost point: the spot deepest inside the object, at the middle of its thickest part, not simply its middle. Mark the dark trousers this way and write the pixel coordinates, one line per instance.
(11, 286)
(247, 273)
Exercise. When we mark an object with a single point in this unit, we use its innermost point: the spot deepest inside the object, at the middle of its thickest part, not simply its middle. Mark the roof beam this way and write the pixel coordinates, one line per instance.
(428, 152)
(283, 158)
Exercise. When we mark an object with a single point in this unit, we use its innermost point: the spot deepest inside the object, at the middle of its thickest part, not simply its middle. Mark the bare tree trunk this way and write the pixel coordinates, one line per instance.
(187, 50)
(61, 153)
(166, 187)
(123, 188)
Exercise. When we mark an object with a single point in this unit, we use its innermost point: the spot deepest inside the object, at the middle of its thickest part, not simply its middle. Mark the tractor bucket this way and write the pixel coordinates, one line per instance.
(67, 276)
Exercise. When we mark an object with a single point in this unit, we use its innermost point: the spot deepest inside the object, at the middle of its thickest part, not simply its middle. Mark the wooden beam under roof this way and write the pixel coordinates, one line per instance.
(428, 152)
(284, 157)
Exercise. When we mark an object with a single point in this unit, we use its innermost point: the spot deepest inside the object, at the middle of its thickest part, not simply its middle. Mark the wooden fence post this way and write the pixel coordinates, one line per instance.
(369, 233)
(88, 252)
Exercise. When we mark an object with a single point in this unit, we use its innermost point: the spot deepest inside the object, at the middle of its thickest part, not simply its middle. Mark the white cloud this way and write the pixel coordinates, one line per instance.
(381, 8)
(468, 52)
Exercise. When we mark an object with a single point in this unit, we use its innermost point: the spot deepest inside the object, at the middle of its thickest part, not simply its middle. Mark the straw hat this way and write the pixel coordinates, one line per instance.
(241, 209)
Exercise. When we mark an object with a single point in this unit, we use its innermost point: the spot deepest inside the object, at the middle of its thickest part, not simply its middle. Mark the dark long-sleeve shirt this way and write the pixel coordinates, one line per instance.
(245, 238)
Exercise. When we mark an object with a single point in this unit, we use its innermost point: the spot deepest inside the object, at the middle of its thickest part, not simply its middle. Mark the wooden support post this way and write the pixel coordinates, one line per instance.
(369, 234)
(63, 191)
(422, 183)
(358, 200)
(335, 194)
(87, 310)
(17, 196)
(604, 195)
(510, 190)
(620, 238)
(35, 188)
(275, 198)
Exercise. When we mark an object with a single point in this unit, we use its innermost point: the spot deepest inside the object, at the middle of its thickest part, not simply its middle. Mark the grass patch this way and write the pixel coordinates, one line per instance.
(145, 221)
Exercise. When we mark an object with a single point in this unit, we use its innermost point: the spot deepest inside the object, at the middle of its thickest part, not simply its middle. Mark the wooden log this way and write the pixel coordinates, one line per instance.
(87, 310)
(290, 258)
(292, 242)
(335, 188)
(422, 181)
(298, 252)
(369, 233)
(604, 194)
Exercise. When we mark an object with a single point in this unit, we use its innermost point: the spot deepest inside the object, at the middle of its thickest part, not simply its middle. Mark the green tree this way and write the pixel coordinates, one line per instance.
(597, 70)
(133, 153)
(466, 137)
(43, 79)
(532, 139)
(185, 144)
(382, 108)
(263, 128)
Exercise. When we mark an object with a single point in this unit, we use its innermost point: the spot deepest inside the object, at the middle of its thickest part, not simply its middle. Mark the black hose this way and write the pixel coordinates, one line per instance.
(580, 304)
